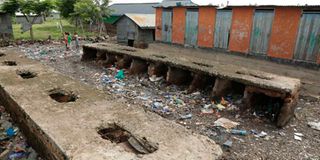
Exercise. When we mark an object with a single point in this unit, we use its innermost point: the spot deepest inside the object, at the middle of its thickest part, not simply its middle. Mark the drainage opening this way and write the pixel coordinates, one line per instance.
(10, 63)
(2, 54)
(62, 96)
(117, 134)
(265, 106)
(202, 65)
(159, 56)
(25, 74)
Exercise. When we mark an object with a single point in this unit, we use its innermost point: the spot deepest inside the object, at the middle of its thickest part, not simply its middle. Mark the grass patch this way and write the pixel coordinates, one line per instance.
(49, 27)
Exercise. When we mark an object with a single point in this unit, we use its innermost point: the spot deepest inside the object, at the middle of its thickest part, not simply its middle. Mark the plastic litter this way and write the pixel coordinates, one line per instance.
(187, 116)
(314, 125)
(262, 134)
(154, 78)
(239, 132)
(120, 75)
(220, 107)
(225, 123)
(228, 143)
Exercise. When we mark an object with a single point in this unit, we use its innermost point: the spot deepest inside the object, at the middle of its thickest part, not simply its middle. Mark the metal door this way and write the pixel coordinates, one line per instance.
(166, 25)
(222, 29)
(191, 33)
(261, 31)
(308, 42)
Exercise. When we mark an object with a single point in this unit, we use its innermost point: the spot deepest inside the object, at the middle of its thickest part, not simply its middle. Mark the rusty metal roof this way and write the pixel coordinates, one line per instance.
(145, 21)
(226, 3)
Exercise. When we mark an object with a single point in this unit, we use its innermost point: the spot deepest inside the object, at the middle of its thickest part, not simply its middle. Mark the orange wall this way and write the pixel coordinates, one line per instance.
(178, 25)
(241, 27)
(207, 18)
(158, 24)
(284, 32)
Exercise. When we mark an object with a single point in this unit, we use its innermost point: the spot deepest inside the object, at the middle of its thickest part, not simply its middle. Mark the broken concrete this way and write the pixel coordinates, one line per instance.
(180, 69)
(70, 130)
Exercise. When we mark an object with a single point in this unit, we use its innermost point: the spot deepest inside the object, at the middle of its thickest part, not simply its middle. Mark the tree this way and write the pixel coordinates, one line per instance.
(28, 8)
(92, 11)
(66, 7)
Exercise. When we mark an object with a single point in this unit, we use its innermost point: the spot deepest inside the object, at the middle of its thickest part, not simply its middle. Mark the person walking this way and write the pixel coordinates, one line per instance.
(69, 40)
(76, 39)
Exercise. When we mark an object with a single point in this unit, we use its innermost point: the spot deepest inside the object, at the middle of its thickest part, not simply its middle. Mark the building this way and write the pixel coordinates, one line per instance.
(135, 29)
(119, 9)
(21, 19)
(6, 31)
(287, 32)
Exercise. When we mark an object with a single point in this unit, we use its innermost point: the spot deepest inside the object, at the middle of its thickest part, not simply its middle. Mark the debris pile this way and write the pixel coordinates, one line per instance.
(13, 144)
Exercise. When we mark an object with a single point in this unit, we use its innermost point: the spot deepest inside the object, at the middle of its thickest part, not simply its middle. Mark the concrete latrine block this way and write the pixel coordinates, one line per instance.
(89, 54)
(199, 81)
(178, 76)
(230, 79)
(281, 105)
(221, 87)
(138, 66)
(158, 69)
(123, 62)
(70, 120)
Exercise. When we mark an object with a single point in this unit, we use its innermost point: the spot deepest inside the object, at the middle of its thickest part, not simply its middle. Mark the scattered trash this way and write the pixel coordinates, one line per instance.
(220, 107)
(262, 134)
(298, 136)
(314, 125)
(228, 143)
(154, 78)
(225, 123)
(207, 109)
(239, 132)
(120, 75)
(13, 145)
(187, 116)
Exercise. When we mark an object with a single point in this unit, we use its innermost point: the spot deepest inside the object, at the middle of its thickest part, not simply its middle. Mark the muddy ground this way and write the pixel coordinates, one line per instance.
(172, 102)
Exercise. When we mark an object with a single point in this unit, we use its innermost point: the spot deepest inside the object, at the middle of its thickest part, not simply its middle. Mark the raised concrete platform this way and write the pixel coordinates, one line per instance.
(70, 130)
(180, 70)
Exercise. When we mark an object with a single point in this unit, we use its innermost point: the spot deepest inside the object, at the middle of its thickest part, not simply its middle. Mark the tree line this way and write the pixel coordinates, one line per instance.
(77, 11)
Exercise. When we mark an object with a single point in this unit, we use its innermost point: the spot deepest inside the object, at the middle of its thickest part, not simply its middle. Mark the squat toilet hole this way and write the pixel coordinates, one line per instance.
(122, 137)
(10, 63)
(25, 74)
(62, 96)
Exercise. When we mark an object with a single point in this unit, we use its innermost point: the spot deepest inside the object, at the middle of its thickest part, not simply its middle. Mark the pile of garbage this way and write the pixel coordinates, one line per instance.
(48, 53)
(13, 144)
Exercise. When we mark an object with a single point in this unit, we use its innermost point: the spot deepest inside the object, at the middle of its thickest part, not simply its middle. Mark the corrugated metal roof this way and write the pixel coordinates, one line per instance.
(145, 21)
(225, 3)
(141, 8)
(175, 3)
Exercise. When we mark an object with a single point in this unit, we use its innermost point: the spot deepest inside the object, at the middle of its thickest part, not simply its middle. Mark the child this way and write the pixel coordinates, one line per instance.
(69, 40)
(76, 38)
(66, 39)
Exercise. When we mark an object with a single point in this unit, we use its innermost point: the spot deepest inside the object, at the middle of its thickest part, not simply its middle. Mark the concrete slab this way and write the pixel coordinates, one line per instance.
(242, 75)
(69, 130)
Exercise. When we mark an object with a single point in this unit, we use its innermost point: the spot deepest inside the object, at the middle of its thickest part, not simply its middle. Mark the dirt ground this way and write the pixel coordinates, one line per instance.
(172, 102)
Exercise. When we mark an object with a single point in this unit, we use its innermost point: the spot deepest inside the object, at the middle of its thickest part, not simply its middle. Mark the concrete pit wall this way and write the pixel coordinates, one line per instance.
(60, 127)
(199, 74)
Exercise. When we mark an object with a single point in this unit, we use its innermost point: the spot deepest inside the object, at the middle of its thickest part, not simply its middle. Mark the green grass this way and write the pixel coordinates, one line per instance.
(42, 31)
